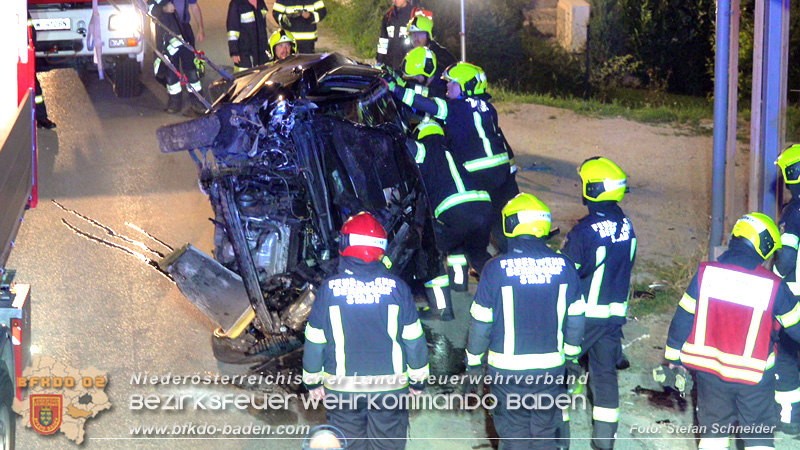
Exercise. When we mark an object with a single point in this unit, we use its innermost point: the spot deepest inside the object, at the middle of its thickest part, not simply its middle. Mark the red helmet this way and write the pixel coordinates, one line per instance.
(363, 237)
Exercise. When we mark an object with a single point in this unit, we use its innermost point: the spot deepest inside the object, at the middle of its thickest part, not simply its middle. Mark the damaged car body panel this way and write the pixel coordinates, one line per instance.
(288, 152)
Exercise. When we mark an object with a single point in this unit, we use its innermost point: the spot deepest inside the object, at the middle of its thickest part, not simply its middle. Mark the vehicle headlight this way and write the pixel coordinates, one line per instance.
(127, 22)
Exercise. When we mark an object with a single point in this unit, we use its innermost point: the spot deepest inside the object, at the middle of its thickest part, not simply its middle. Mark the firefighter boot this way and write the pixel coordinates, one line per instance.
(175, 103)
(440, 303)
(458, 273)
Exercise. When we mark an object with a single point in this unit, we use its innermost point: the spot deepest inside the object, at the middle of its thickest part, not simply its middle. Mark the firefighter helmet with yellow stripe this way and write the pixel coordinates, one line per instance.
(789, 162)
(280, 36)
(526, 214)
(420, 61)
(760, 230)
(602, 180)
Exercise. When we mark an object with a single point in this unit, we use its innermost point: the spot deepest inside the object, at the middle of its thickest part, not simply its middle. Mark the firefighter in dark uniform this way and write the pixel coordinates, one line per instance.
(247, 34)
(176, 18)
(723, 328)
(473, 134)
(419, 69)
(461, 211)
(787, 382)
(603, 247)
(420, 31)
(301, 18)
(282, 45)
(394, 43)
(528, 313)
(364, 337)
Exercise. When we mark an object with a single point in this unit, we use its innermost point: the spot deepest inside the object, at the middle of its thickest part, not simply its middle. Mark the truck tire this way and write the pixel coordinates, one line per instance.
(246, 349)
(8, 422)
(126, 77)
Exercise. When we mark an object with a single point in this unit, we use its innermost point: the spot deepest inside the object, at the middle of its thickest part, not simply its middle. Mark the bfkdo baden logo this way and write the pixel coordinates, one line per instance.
(61, 398)
(46, 413)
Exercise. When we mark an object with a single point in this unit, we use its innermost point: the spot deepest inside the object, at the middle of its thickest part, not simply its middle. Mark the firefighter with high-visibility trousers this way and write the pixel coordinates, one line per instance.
(723, 330)
(282, 45)
(364, 342)
(603, 246)
(473, 134)
(462, 214)
(420, 31)
(528, 314)
(301, 18)
(247, 33)
(787, 374)
(175, 16)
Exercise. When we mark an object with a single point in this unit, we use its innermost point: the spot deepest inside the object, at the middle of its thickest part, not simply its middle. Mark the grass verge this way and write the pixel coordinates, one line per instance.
(662, 295)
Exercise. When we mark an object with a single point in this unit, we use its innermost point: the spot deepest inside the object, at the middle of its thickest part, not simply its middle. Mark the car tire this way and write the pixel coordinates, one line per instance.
(8, 422)
(246, 349)
(126, 77)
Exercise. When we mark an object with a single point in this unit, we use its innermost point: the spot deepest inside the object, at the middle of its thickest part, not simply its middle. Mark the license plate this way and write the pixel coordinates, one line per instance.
(121, 42)
(51, 24)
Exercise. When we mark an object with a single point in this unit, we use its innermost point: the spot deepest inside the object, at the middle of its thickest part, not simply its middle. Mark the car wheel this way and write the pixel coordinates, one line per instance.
(247, 349)
(126, 77)
(8, 422)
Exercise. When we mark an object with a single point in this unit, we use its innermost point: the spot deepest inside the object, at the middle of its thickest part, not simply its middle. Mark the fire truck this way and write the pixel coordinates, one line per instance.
(86, 34)
(18, 193)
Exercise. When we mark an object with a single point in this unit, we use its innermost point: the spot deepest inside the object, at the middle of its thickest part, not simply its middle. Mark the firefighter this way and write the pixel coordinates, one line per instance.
(300, 17)
(528, 313)
(603, 247)
(473, 134)
(282, 45)
(420, 31)
(364, 325)
(787, 383)
(247, 33)
(461, 213)
(174, 14)
(722, 330)
(394, 43)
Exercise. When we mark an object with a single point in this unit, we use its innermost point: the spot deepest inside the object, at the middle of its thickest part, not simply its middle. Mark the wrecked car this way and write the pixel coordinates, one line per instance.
(286, 154)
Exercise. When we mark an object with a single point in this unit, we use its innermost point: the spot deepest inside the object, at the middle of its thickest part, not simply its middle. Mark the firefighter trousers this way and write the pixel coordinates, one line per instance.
(369, 425)
(524, 416)
(41, 107)
(787, 379)
(725, 408)
(500, 196)
(465, 229)
(602, 342)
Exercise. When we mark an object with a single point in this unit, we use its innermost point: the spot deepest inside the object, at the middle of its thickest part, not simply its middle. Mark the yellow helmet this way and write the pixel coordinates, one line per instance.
(788, 162)
(602, 180)
(470, 77)
(426, 128)
(280, 36)
(760, 230)
(526, 214)
(419, 61)
(421, 23)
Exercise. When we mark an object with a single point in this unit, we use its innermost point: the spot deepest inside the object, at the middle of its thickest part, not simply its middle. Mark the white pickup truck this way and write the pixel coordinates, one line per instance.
(63, 38)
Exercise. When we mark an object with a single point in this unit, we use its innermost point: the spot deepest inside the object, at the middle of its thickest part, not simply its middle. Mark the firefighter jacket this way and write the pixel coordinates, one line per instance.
(288, 14)
(446, 182)
(603, 247)
(724, 322)
(394, 43)
(364, 324)
(473, 134)
(528, 310)
(786, 256)
(247, 30)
